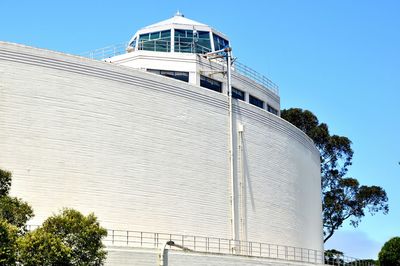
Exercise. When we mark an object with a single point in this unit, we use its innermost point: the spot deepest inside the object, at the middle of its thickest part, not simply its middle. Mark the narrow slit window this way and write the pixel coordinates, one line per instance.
(255, 101)
(237, 94)
(179, 75)
(272, 109)
(211, 84)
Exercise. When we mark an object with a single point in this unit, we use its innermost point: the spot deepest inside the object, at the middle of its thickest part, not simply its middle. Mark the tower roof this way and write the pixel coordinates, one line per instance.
(178, 19)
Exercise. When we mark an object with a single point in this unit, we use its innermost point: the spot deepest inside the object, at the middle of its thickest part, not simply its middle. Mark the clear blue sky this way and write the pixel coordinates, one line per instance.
(338, 58)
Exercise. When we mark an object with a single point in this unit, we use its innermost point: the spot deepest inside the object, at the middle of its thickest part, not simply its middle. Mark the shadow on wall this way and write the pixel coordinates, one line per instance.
(246, 173)
(243, 177)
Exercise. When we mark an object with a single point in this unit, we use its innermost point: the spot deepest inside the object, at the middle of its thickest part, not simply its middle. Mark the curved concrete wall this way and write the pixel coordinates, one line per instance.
(149, 153)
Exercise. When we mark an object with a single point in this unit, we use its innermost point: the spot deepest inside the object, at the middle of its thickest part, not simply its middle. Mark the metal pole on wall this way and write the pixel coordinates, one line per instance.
(228, 52)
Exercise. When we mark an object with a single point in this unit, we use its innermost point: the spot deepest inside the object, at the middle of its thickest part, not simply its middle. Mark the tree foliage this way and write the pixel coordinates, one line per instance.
(15, 211)
(390, 253)
(8, 243)
(81, 234)
(333, 257)
(43, 248)
(5, 182)
(69, 238)
(342, 197)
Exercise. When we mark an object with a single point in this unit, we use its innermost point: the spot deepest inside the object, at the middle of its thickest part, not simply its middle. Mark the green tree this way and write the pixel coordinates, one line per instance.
(8, 243)
(390, 253)
(13, 210)
(364, 262)
(42, 248)
(69, 238)
(333, 256)
(5, 182)
(342, 197)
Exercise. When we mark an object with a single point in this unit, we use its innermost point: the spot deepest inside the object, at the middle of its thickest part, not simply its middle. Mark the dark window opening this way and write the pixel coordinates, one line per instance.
(255, 101)
(237, 94)
(272, 109)
(211, 84)
(184, 76)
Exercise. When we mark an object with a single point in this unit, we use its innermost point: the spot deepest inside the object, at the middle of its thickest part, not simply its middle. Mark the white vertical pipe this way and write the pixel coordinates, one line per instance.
(242, 184)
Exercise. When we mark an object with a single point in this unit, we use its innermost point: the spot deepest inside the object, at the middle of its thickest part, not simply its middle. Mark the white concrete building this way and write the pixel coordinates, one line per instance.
(142, 139)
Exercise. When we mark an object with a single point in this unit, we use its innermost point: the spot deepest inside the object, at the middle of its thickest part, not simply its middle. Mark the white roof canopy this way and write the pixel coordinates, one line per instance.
(177, 19)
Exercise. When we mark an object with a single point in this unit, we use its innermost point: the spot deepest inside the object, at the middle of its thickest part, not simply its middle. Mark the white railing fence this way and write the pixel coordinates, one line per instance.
(106, 52)
(162, 46)
(213, 245)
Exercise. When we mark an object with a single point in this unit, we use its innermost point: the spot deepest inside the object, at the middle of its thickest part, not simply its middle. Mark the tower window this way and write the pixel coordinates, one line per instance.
(219, 42)
(159, 41)
(184, 76)
(211, 84)
(272, 109)
(133, 43)
(189, 41)
(237, 94)
(255, 101)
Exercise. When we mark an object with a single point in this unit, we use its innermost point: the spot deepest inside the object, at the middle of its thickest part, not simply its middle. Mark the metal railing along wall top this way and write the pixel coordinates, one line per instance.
(106, 52)
(215, 245)
(164, 46)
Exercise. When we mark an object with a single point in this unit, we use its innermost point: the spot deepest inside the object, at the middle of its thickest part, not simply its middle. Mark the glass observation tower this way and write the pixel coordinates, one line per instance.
(180, 48)
(178, 34)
